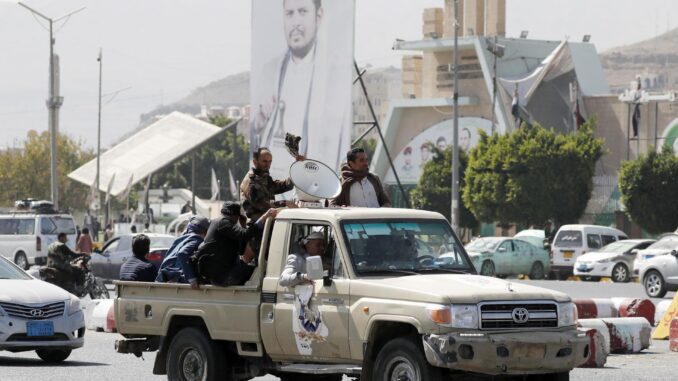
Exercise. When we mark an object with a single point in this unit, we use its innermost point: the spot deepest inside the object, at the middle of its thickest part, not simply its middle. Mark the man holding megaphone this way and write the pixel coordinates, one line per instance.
(258, 189)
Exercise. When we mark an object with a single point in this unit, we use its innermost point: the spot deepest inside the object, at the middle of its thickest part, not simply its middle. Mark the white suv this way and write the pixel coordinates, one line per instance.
(25, 236)
(38, 316)
(657, 266)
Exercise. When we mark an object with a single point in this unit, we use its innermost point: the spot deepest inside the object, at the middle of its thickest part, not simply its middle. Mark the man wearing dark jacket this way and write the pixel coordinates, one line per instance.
(359, 187)
(220, 255)
(176, 266)
(138, 268)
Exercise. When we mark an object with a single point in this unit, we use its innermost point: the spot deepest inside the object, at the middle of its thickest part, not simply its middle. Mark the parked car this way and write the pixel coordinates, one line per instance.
(657, 266)
(38, 316)
(106, 263)
(574, 240)
(614, 260)
(25, 236)
(504, 256)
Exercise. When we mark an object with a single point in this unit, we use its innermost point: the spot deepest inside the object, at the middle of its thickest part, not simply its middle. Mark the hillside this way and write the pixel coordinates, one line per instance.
(655, 60)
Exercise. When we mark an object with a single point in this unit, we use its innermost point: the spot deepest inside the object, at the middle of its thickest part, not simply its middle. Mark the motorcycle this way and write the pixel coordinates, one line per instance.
(90, 285)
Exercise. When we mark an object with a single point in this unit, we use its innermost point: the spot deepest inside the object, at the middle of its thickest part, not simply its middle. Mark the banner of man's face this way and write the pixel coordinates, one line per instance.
(301, 79)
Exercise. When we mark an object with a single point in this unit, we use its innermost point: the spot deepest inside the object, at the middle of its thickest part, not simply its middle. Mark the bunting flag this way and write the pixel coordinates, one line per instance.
(108, 189)
(232, 186)
(129, 187)
(146, 190)
(215, 186)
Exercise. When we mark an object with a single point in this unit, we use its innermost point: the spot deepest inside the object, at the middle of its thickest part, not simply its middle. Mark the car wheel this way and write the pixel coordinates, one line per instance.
(655, 286)
(193, 356)
(403, 359)
(487, 268)
(99, 290)
(537, 271)
(53, 356)
(21, 260)
(620, 273)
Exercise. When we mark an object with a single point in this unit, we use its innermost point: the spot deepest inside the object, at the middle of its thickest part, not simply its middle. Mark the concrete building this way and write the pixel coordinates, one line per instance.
(383, 86)
(546, 76)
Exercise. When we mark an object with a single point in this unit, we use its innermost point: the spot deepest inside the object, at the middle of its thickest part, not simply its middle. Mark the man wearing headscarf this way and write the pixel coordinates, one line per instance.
(223, 258)
(176, 266)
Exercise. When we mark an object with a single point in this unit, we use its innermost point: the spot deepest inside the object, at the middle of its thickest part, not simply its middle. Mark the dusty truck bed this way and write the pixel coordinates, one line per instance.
(147, 309)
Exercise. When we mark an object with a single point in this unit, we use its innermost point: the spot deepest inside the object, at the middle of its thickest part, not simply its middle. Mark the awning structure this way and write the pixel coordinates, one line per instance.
(146, 152)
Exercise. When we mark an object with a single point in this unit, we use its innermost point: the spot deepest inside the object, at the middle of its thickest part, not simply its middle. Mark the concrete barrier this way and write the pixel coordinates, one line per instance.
(597, 353)
(601, 327)
(110, 320)
(99, 317)
(673, 335)
(595, 308)
(660, 310)
(628, 334)
(628, 307)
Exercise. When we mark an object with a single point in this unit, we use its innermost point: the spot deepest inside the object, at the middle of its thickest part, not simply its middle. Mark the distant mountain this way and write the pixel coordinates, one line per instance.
(655, 60)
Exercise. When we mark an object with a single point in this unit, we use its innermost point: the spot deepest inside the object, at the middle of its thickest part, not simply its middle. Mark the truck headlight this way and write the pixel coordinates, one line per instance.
(455, 316)
(73, 305)
(567, 314)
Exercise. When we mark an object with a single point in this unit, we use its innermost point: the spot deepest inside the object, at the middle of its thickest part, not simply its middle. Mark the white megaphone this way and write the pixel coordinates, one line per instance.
(314, 181)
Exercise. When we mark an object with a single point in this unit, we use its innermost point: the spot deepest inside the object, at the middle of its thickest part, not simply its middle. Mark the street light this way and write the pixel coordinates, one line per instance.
(54, 100)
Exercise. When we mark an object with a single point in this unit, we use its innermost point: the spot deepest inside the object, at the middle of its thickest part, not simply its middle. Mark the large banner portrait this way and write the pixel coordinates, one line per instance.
(301, 79)
(411, 159)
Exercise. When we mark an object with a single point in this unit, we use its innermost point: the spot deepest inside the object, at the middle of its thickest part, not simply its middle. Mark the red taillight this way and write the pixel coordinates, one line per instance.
(38, 244)
(154, 256)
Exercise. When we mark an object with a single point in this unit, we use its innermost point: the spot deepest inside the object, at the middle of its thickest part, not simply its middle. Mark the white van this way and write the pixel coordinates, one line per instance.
(25, 236)
(574, 240)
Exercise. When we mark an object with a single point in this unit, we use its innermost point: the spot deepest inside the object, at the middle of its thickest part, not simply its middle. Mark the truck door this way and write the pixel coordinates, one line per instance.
(315, 328)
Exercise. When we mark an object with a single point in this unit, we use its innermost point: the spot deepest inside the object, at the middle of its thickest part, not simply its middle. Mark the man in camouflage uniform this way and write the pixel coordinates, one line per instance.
(59, 257)
(258, 189)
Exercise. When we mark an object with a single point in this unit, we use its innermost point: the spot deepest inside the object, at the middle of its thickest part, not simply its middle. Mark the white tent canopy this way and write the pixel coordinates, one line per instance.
(145, 152)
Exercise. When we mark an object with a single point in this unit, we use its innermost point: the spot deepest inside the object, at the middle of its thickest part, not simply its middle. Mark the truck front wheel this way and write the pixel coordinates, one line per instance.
(403, 359)
(193, 356)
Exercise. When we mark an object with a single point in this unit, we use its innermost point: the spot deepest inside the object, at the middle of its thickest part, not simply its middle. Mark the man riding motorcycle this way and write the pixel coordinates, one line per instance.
(59, 257)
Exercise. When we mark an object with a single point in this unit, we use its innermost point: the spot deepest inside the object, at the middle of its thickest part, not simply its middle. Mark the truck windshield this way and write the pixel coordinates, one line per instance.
(404, 247)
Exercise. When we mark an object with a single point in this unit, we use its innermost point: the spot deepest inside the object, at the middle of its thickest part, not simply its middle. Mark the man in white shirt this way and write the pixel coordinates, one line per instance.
(359, 187)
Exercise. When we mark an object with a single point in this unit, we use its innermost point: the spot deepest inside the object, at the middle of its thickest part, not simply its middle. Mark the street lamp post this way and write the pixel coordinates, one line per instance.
(454, 215)
(54, 101)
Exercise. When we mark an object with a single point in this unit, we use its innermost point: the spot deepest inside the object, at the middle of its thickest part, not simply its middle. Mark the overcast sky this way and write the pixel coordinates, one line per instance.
(163, 49)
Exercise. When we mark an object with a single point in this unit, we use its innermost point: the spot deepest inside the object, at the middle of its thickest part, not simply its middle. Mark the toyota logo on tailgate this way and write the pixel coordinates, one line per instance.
(37, 313)
(520, 315)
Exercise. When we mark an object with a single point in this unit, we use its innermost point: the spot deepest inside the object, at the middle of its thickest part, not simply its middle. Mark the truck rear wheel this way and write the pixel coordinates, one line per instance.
(193, 356)
(403, 359)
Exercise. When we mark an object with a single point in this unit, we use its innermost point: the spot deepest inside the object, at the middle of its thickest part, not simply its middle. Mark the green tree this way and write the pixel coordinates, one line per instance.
(25, 171)
(227, 151)
(434, 190)
(532, 175)
(649, 190)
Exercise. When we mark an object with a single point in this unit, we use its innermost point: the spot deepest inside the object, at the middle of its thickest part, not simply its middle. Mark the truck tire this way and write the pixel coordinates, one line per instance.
(193, 356)
(403, 359)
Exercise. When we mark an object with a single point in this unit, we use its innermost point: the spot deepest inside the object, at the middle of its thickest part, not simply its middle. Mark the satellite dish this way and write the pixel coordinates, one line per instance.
(314, 180)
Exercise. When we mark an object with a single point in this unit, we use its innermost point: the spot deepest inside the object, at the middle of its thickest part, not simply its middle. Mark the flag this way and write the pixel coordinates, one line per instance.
(108, 189)
(128, 189)
(232, 186)
(215, 186)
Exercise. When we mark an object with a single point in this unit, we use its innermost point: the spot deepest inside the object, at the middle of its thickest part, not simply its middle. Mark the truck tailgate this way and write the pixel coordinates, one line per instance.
(229, 313)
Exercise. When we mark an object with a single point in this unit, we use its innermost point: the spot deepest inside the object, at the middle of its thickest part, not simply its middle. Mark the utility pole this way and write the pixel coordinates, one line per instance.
(454, 215)
(54, 101)
(98, 179)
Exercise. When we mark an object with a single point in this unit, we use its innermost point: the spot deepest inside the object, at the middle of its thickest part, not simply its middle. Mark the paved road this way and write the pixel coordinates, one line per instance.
(98, 361)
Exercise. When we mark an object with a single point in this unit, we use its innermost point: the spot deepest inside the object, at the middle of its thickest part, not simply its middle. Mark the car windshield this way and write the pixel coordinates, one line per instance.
(9, 271)
(618, 247)
(484, 244)
(404, 247)
(161, 242)
(668, 242)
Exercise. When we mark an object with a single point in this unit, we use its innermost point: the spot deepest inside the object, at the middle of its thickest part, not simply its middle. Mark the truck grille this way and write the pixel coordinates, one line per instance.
(34, 312)
(512, 315)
